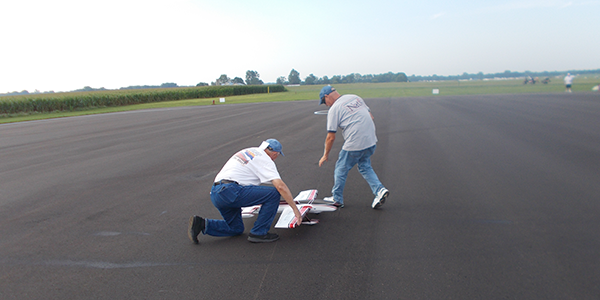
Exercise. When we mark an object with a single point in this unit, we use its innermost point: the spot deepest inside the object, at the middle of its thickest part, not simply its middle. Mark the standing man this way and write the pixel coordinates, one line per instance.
(237, 185)
(569, 82)
(353, 116)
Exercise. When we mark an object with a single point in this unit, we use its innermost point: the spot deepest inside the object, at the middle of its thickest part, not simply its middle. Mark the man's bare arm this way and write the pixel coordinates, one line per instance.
(284, 191)
(328, 144)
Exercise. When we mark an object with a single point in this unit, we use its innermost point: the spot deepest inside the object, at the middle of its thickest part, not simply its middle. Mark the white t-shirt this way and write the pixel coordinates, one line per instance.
(569, 79)
(352, 115)
(250, 166)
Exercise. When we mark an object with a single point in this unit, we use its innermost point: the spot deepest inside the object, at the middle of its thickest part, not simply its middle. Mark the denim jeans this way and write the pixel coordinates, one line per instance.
(345, 162)
(229, 199)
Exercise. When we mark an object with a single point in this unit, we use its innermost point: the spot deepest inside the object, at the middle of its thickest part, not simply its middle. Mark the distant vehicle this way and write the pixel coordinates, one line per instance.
(530, 80)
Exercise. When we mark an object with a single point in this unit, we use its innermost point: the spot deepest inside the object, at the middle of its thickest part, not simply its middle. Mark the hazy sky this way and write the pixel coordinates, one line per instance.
(63, 45)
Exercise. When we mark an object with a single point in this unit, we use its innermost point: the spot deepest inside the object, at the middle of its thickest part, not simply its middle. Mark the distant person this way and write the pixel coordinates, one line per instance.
(237, 185)
(353, 116)
(568, 82)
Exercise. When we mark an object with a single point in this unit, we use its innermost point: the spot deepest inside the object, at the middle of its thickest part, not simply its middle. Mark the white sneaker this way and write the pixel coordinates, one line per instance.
(380, 198)
(328, 199)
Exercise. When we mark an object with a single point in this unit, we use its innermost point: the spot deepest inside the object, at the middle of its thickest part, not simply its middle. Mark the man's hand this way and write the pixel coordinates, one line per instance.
(298, 216)
(323, 160)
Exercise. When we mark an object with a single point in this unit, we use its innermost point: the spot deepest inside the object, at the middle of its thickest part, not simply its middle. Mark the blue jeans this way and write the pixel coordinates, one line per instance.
(345, 162)
(229, 199)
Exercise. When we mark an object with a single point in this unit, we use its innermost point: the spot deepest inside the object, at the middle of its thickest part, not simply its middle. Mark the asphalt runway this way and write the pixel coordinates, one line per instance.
(492, 197)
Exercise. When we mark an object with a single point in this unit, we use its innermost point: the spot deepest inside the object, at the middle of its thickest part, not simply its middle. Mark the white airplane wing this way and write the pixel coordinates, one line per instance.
(250, 211)
(288, 219)
(319, 208)
(305, 202)
(306, 196)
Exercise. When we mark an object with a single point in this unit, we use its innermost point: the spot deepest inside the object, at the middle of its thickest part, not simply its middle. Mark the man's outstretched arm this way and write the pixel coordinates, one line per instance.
(328, 144)
(284, 191)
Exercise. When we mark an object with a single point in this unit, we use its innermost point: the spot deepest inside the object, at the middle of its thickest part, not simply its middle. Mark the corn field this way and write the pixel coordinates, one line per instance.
(74, 101)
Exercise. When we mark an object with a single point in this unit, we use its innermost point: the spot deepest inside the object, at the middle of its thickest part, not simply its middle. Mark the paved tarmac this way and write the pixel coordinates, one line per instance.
(492, 197)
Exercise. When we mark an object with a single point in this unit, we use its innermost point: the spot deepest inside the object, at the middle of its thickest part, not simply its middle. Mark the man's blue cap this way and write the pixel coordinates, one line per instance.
(326, 90)
(274, 145)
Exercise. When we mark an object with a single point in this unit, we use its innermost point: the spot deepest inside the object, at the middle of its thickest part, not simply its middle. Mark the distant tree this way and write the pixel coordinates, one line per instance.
(202, 84)
(401, 77)
(15, 93)
(509, 74)
(252, 78)
(367, 78)
(336, 79)
(310, 80)
(237, 80)
(223, 80)
(390, 77)
(351, 78)
(326, 80)
(294, 77)
(168, 85)
(281, 80)
(89, 89)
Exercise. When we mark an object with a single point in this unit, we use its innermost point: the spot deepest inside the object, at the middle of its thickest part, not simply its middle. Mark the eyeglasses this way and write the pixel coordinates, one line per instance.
(272, 150)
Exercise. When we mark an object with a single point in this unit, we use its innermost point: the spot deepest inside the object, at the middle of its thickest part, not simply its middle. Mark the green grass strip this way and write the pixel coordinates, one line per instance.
(296, 93)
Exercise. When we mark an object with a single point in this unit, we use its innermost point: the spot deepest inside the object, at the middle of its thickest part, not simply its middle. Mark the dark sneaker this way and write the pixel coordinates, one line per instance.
(338, 205)
(195, 226)
(269, 237)
(333, 202)
(381, 197)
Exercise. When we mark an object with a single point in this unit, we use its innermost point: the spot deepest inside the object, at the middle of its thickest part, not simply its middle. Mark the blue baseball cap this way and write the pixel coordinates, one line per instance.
(274, 145)
(326, 90)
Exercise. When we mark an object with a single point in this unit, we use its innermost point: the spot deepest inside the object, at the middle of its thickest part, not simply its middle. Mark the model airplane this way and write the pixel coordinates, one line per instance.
(305, 201)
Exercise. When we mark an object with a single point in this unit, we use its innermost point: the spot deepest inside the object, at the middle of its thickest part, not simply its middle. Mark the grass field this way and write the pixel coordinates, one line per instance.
(365, 90)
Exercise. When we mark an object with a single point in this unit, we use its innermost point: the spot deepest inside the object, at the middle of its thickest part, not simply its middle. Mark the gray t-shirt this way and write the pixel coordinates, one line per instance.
(352, 115)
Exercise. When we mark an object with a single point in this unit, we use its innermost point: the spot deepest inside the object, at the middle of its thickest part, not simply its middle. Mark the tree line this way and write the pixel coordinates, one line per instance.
(253, 78)
(293, 78)
(506, 74)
